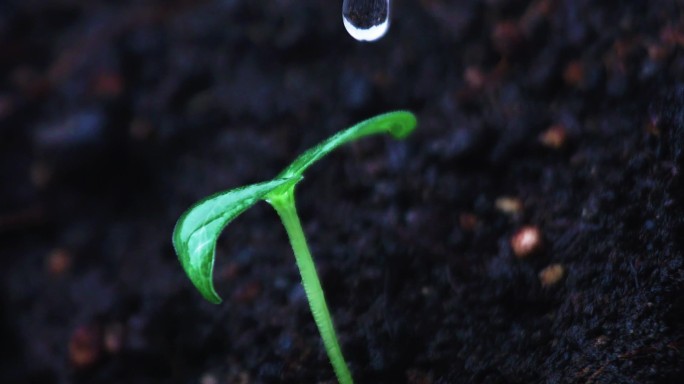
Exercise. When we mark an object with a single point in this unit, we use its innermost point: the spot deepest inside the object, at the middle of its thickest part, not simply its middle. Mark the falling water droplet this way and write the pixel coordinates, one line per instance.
(366, 20)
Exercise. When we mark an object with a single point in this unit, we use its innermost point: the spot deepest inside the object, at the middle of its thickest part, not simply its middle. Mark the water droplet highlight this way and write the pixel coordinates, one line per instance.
(366, 20)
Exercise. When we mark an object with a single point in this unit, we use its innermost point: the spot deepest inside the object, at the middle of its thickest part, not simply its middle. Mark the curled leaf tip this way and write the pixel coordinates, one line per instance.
(196, 232)
(402, 124)
(398, 124)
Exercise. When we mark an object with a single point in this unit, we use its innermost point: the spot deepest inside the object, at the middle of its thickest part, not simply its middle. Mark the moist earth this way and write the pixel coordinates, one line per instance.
(563, 117)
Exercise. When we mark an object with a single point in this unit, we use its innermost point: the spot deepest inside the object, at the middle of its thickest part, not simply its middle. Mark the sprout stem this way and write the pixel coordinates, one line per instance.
(284, 204)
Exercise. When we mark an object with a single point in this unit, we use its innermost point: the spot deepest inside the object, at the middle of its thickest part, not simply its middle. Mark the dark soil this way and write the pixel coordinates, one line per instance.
(115, 116)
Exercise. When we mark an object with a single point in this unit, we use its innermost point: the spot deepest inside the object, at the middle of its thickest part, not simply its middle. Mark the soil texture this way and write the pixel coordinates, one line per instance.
(531, 230)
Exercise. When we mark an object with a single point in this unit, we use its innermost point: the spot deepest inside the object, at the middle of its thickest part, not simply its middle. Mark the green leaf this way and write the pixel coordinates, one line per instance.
(399, 124)
(197, 230)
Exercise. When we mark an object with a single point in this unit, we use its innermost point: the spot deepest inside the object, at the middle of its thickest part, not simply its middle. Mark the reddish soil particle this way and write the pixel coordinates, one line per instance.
(58, 262)
(554, 137)
(84, 346)
(526, 242)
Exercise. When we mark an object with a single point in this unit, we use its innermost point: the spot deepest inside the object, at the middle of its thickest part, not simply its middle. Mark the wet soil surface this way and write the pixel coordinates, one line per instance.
(530, 231)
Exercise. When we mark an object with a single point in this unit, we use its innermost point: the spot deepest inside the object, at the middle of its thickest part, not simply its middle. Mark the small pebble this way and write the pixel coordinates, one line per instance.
(474, 77)
(551, 275)
(58, 262)
(113, 338)
(509, 205)
(84, 346)
(526, 242)
(554, 137)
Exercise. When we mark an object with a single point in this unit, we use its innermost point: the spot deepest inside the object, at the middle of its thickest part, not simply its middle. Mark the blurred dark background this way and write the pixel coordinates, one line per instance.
(562, 119)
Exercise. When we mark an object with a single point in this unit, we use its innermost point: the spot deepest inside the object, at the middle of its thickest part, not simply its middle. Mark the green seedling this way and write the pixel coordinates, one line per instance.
(197, 230)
